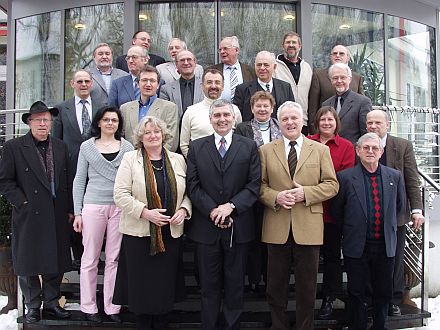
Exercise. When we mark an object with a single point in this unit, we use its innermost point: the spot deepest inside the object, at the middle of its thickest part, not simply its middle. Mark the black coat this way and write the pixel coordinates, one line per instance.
(40, 228)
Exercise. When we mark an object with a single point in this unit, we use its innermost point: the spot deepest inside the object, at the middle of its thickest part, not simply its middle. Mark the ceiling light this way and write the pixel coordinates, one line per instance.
(143, 17)
(289, 17)
(344, 26)
(80, 26)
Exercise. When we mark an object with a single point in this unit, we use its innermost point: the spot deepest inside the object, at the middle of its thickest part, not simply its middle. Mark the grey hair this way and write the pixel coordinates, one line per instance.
(183, 43)
(234, 41)
(140, 130)
(368, 136)
(144, 51)
(102, 44)
(266, 53)
(290, 104)
(221, 103)
(346, 49)
(342, 66)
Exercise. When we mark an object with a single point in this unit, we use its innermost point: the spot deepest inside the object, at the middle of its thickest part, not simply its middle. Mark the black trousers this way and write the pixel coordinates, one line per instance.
(36, 292)
(373, 265)
(305, 259)
(399, 277)
(332, 276)
(222, 267)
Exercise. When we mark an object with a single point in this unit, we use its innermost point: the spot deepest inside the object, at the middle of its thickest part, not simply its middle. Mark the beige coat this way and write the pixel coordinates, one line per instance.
(130, 193)
(315, 173)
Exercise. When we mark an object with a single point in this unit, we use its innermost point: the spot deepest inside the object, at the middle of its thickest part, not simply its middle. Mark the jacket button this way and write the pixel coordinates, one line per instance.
(36, 191)
(221, 192)
(36, 212)
(26, 169)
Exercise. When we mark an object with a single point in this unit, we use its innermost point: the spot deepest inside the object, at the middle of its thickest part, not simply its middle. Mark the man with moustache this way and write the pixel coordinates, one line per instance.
(149, 104)
(195, 120)
(351, 107)
(297, 176)
(103, 73)
(293, 69)
(321, 87)
(141, 39)
(168, 71)
(187, 90)
(126, 89)
(234, 72)
(223, 182)
(265, 66)
(399, 154)
(34, 178)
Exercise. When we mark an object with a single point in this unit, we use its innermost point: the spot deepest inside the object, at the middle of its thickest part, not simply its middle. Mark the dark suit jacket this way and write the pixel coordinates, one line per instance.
(212, 181)
(171, 92)
(65, 127)
(281, 91)
(40, 228)
(322, 89)
(121, 91)
(350, 208)
(353, 115)
(400, 156)
(121, 62)
(99, 90)
(247, 71)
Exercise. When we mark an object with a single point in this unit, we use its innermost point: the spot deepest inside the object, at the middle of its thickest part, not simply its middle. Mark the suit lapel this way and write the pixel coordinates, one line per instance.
(99, 80)
(387, 187)
(213, 152)
(391, 152)
(71, 116)
(348, 102)
(306, 150)
(57, 160)
(175, 90)
(128, 86)
(30, 154)
(359, 187)
(198, 92)
(232, 151)
(280, 153)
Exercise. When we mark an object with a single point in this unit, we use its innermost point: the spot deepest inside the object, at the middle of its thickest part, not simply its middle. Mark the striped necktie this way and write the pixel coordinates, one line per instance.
(137, 91)
(233, 79)
(338, 105)
(292, 159)
(85, 119)
(222, 148)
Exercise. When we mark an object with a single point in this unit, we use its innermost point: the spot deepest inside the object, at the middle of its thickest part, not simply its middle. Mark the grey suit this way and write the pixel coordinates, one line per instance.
(168, 72)
(321, 89)
(171, 92)
(353, 115)
(165, 110)
(99, 91)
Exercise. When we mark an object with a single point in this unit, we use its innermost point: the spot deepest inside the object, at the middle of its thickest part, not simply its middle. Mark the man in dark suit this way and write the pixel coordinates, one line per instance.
(72, 125)
(297, 176)
(351, 107)
(34, 179)
(103, 73)
(265, 64)
(321, 87)
(187, 90)
(399, 154)
(223, 182)
(371, 197)
(126, 89)
(141, 39)
(234, 72)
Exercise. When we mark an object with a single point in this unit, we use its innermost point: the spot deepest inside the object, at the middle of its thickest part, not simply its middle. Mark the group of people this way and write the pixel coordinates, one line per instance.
(257, 166)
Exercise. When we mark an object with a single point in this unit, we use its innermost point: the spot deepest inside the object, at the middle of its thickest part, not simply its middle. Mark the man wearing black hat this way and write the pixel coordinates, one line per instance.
(34, 179)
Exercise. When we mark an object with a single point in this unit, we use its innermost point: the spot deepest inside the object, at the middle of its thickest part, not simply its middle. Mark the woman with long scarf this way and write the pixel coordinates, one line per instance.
(150, 190)
(262, 129)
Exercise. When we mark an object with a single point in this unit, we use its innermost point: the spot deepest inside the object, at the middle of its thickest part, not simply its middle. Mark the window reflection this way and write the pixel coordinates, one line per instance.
(192, 22)
(258, 25)
(37, 59)
(85, 28)
(362, 32)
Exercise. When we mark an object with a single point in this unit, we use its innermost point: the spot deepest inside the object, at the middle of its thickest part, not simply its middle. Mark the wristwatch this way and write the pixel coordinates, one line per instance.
(232, 205)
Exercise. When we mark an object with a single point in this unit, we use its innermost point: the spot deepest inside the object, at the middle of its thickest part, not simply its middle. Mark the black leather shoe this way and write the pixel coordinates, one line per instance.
(115, 318)
(32, 316)
(394, 310)
(326, 309)
(93, 317)
(57, 312)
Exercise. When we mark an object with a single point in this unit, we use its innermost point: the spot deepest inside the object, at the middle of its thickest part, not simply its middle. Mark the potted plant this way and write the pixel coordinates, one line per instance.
(8, 280)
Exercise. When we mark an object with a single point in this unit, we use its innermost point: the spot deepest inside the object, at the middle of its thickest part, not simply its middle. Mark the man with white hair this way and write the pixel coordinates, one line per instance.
(234, 72)
(169, 71)
(297, 175)
(352, 108)
(264, 68)
(321, 88)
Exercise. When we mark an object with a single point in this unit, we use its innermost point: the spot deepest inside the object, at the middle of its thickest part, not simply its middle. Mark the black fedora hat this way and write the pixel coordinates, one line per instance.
(38, 107)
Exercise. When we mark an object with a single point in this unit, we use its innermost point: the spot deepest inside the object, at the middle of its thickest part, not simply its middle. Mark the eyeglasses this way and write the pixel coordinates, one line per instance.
(146, 80)
(371, 148)
(338, 53)
(41, 120)
(342, 78)
(133, 57)
(225, 49)
(112, 120)
(86, 81)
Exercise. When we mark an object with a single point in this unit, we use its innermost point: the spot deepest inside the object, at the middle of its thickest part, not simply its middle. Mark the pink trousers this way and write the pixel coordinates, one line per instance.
(97, 220)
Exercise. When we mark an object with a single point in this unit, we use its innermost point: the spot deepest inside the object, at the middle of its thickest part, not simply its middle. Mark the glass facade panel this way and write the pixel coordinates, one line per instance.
(193, 22)
(37, 60)
(86, 27)
(258, 25)
(362, 32)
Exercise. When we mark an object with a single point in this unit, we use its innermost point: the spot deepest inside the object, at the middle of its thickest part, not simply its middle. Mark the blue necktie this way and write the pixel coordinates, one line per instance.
(222, 149)
(137, 91)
